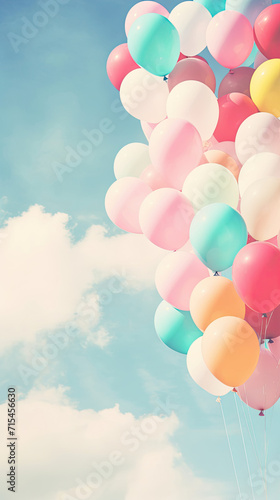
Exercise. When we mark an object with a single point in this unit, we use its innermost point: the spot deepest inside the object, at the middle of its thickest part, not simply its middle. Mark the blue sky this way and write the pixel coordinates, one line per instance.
(53, 88)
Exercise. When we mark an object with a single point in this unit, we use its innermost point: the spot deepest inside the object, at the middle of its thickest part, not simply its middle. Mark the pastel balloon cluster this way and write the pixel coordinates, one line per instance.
(206, 187)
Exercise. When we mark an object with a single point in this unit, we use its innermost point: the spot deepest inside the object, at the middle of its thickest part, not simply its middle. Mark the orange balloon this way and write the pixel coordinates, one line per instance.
(215, 156)
(213, 298)
(231, 350)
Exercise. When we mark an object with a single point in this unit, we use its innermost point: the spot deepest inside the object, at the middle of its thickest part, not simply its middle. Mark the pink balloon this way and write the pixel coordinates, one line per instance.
(148, 128)
(237, 80)
(142, 8)
(177, 275)
(119, 64)
(275, 349)
(230, 38)
(175, 149)
(153, 178)
(262, 389)
(256, 276)
(266, 326)
(233, 110)
(192, 69)
(123, 201)
(165, 218)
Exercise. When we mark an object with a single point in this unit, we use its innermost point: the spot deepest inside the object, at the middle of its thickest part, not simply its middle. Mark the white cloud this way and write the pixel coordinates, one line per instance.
(65, 453)
(46, 279)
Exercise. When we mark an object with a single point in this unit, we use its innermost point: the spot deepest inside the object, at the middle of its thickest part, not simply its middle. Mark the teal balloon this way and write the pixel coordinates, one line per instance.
(227, 273)
(217, 233)
(251, 58)
(214, 6)
(154, 44)
(175, 328)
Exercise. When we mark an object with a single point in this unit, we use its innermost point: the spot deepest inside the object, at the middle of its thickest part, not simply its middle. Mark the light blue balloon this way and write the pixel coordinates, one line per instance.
(249, 8)
(217, 233)
(214, 6)
(154, 44)
(175, 328)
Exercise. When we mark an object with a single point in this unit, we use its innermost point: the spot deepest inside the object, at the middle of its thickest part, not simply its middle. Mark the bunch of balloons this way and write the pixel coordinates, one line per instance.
(207, 186)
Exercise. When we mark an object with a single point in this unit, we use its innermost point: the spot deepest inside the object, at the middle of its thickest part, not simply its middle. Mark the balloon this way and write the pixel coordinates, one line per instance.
(237, 80)
(258, 134)
(142, 8)
(175, 149)
(153, 178)
(144, 96)
(267, 31)
(123, 201)
(154, 43)
(119, 64)
(201, 374)
(195, 102)
(258, 167)
(230, 38)
(262, 389)
(230, 349)
(175, 328)
(192, 69)
(260, 208)
(265, 86)
(131, 160)
(266, 326)
(165, 218)
(148, 128)
(250, 8)
(228, 147)
(176, 277)
(234, 109)
(213, 298)
(215, 156)
(256, 276)
(213, 6)
(191, 20)
(275, 349)
(211, 183)
(260, 58)
(217, 233)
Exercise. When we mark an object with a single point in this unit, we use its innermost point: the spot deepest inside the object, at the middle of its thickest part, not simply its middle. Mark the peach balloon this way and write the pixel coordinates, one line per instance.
(215, 156)
(213, 298)
(231, 350)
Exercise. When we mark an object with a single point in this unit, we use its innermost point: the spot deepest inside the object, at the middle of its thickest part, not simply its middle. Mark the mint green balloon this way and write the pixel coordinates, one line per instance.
(175, 328)
(214, 6)
(154, 43)
(217, 233)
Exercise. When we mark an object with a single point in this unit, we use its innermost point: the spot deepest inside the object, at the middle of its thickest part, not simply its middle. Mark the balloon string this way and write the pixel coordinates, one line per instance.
(231, 454)
(254, 442)
(265, 456)
(244, 445)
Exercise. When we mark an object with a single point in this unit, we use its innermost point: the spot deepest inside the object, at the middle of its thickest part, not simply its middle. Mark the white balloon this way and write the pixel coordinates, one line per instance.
(201, 374)
(191, 20)
(258, 167)
(144, 95)
(260, 208)
(211, 183)
(259, 133)
(196, 103)
(131, 160)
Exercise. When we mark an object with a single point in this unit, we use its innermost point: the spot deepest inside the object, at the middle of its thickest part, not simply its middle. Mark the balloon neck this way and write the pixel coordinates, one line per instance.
(216, 273)
(271, 341)
(231, 72)
(261, 414)
(234, 390)
(264, 315)
(218, 400)
(165, 78)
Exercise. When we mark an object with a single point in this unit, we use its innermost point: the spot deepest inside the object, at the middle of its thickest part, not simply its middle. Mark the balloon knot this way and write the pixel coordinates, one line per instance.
(261, 414)
(216, 273)
(231, 72)
(165, 78)
(234, 390)
(264, 315)
(271, 341)
(218, 400)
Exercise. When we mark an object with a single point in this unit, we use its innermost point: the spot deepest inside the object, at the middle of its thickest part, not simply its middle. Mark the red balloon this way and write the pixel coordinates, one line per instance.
(256, 276)
(119, 64)
(234, 109)
(266, 326)
(267, 31)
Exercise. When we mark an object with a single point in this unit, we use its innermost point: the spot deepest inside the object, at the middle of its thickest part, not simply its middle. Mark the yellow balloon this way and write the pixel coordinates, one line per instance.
(265, 87)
